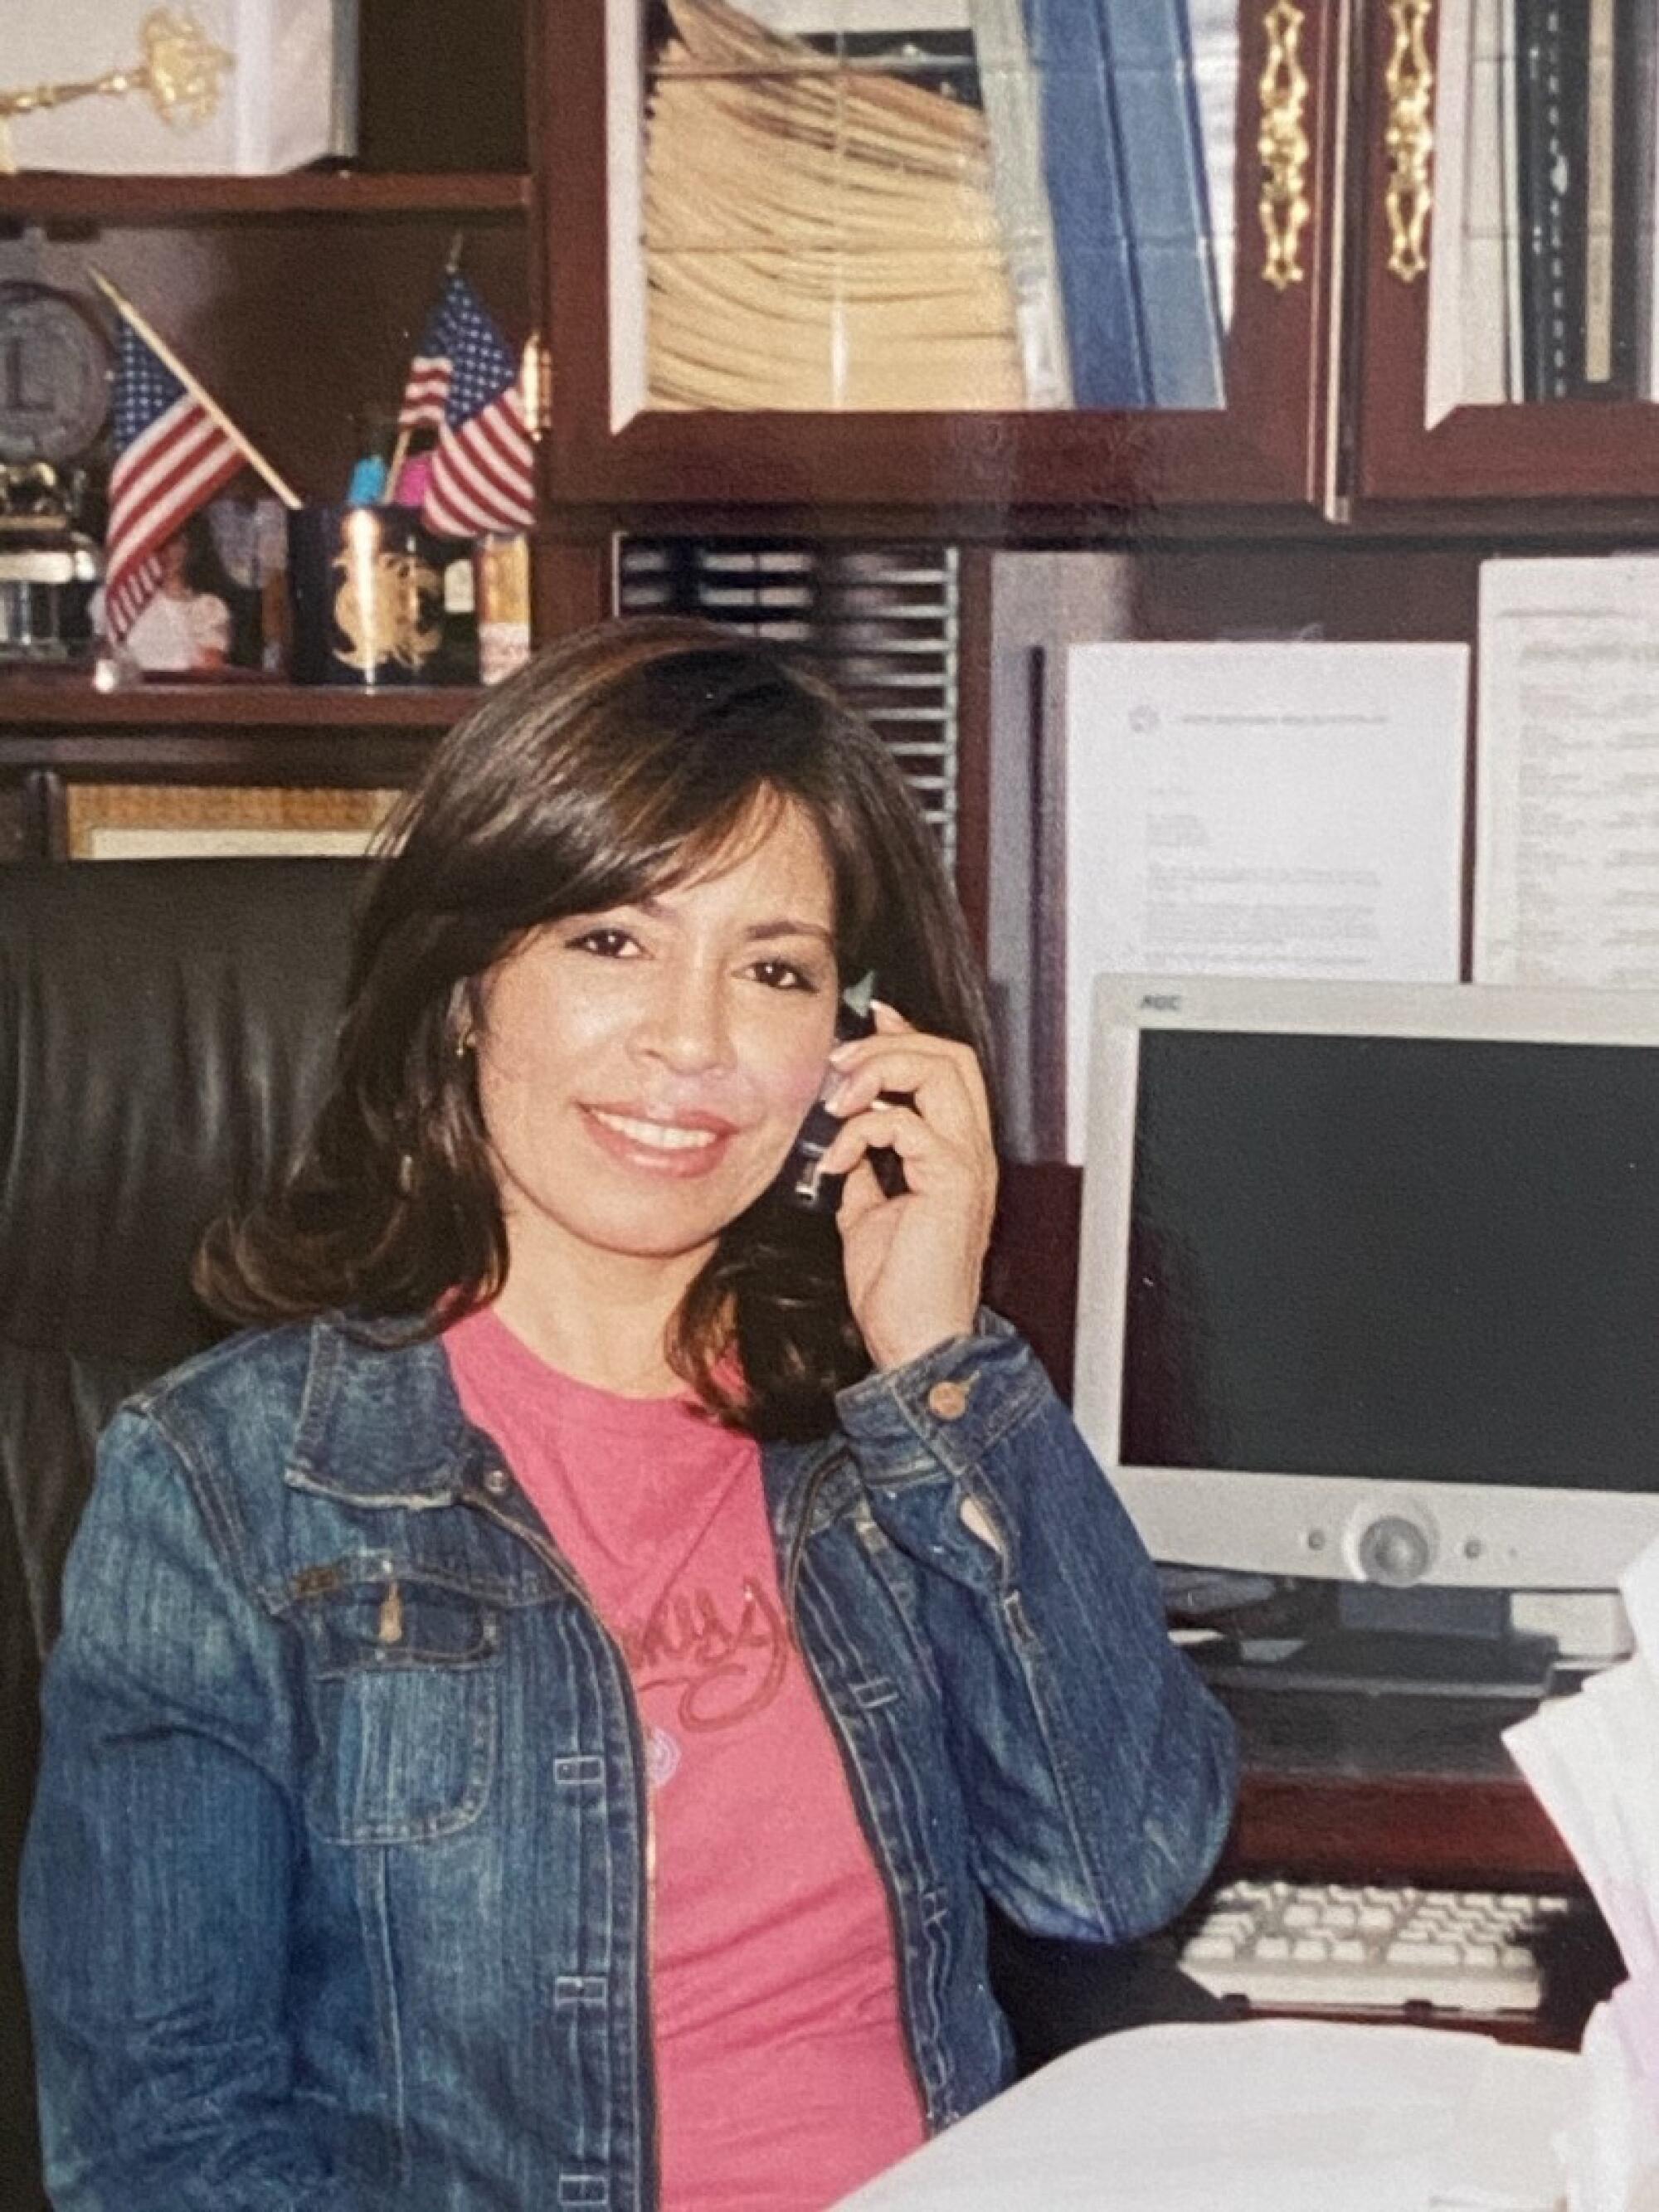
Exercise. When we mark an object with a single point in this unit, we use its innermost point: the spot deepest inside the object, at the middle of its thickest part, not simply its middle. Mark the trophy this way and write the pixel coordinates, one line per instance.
(180, 75)
(53, 403)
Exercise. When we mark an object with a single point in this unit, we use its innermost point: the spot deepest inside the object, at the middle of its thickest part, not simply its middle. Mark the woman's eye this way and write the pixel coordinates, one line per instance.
(609, 944)
(782, 975)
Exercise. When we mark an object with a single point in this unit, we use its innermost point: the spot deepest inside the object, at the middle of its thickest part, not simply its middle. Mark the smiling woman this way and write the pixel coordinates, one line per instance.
(539, 1717)
(635, 802)
(640, 1075)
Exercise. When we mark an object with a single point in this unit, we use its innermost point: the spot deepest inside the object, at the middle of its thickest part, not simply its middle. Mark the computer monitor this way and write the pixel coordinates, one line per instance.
(1369, 1283)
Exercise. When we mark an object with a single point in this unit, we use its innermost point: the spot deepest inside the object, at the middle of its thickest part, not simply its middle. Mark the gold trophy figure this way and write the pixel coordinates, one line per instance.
(181, 72)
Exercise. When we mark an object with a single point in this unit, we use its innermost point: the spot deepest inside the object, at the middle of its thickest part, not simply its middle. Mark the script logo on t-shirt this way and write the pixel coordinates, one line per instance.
(725, 1669)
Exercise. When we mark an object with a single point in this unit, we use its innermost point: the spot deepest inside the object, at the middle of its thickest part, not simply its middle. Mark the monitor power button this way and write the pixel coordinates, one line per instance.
(1395, 1551)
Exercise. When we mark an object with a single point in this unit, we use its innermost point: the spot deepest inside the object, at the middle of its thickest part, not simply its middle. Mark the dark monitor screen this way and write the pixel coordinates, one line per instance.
(1394, 1256)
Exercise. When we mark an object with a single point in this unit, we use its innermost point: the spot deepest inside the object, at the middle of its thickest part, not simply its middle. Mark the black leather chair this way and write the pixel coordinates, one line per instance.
(164, 1031)
(164, 1034)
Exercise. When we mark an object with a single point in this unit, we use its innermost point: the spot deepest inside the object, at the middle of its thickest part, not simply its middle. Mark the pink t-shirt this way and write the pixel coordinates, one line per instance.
(782, 2076)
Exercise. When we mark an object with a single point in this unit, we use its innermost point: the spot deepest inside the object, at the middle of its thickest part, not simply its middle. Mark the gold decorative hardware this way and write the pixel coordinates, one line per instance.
(1409, 138)
(180, 71)
(536, 385)
(1282, 146)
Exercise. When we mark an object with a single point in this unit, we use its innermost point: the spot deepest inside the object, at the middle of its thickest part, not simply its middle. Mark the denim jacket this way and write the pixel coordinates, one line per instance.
(334, 1906)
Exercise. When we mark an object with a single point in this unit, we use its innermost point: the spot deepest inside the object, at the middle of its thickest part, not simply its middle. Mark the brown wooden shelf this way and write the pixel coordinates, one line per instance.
(45, 196)
(70, 703)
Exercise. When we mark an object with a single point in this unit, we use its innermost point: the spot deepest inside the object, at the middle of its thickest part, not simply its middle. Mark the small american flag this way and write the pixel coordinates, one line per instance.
(170, 458)
(483, 470)
(428, 373)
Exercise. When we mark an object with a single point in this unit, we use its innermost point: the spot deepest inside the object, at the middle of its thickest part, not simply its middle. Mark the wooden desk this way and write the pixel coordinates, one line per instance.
(1448, 1820)
(1440, 1831)
(1342, 1789)
(1422, 1792)
(1392, 1789)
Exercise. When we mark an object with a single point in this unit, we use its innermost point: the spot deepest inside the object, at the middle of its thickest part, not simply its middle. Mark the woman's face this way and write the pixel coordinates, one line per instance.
(642, 1072)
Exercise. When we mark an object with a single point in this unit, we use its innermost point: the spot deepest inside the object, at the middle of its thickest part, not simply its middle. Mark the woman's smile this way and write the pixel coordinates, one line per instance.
(683, 1146)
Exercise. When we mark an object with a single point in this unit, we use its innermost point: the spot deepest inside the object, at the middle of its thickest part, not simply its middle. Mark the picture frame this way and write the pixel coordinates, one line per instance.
(191, 822)
(221, 606)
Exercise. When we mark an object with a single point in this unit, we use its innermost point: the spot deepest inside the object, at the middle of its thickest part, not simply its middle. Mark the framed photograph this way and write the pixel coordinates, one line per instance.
(193, 822)
(221, 602)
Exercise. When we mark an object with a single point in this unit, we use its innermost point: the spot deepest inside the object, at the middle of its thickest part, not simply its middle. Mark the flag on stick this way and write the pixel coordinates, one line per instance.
(175, 448)
(427, 387)
(483, 470)
(171, 457)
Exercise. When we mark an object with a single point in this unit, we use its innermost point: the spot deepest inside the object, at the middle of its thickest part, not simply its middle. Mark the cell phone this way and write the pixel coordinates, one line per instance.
(801, 1180)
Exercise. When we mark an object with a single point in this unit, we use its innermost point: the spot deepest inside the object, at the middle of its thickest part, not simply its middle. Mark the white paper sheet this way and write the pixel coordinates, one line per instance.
(1566, 887)
(1263, 2116)
(1593, 1763)
(1260, 810)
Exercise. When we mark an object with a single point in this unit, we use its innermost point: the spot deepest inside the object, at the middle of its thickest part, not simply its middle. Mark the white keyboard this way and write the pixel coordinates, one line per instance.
(1330, 1946)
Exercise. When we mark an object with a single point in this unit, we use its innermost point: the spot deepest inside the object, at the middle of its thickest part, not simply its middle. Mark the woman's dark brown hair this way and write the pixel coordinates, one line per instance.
(620, 762)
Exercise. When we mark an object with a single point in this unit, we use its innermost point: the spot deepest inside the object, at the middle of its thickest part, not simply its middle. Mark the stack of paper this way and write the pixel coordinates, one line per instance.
(817, 235)
(1593, 1761)
(1260, 2116)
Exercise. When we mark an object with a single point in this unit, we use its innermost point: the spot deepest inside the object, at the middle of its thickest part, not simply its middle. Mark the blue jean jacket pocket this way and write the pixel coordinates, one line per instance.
(403, 1698)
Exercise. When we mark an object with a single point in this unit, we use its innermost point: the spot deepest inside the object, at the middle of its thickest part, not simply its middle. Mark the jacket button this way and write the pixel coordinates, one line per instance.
(948, 1400)
(497, 1481)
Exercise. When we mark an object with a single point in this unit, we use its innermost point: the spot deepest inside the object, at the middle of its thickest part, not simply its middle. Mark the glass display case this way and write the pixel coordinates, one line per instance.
(1508, 344)
(941, 252)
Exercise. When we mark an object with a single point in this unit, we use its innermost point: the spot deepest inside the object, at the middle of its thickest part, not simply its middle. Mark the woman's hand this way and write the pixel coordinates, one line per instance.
(913, 1263)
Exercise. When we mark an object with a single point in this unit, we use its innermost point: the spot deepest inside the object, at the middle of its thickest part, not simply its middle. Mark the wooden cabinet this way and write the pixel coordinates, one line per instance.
(522, 123)
(1412, 440)
(970, 471)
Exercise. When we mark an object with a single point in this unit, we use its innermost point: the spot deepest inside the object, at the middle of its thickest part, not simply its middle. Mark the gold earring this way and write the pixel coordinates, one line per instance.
(464, 1044)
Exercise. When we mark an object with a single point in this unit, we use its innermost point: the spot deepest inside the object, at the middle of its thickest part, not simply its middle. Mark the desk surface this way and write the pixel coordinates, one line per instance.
(1389, 1789)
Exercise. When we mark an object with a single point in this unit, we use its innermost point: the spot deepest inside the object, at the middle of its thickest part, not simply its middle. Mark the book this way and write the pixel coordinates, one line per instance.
(1552, 59)
(1635, 89)
(1596, 371)
(1509, 159)
(1609, 266)
(1150, 63)
(1212, 27)
(1083, 164)
(1468, 303)
(1124, 155)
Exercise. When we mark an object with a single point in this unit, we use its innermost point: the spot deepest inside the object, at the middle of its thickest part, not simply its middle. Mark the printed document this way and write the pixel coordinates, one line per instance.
(1566, 880)
(1260, 810)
